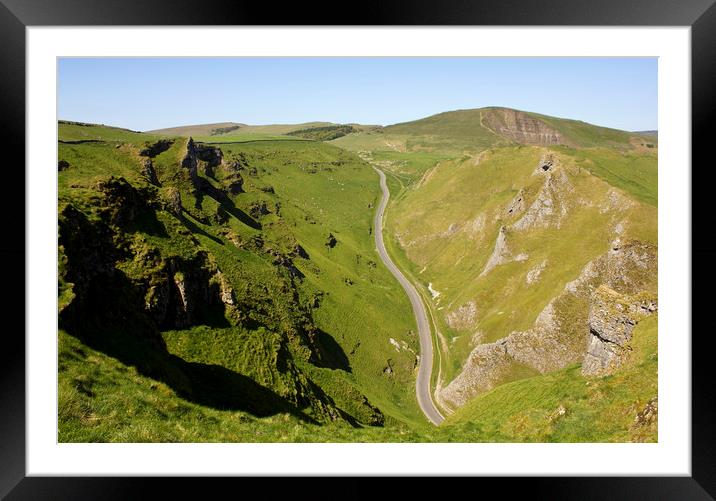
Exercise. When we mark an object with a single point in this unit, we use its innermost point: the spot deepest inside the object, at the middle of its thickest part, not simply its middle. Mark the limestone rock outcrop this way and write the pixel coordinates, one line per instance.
(521, 127)
(577, 325)
(612, 318)
(148, 171)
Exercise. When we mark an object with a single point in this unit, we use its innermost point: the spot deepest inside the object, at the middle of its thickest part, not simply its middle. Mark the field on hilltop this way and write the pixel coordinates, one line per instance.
(215, 129)
(230, 129)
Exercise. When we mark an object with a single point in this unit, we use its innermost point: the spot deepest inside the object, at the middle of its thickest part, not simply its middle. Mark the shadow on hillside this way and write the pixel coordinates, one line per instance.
(332, 355)
(189, 225)
(225, 202)
(107, 316)
(147, 222)
(220, 388)
(80, 141)
(208, 385)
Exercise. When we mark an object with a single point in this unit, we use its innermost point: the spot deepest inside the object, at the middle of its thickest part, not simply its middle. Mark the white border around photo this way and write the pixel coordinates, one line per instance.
(670, 456)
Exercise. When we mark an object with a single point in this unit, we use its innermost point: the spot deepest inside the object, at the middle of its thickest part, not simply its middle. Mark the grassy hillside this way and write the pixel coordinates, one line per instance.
(461, 125)
(104, 400)
(78, 131)
(587, 135)
(484, 127)
(231, 132)
(635, 172)
(470, 131)
(242, 279)
(323, 191)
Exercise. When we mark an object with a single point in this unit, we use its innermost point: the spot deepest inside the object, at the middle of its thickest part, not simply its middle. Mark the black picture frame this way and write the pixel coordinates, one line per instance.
(16, 15)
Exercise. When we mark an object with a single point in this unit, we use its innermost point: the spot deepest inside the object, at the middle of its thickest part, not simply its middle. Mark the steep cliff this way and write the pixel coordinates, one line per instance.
(521, 127)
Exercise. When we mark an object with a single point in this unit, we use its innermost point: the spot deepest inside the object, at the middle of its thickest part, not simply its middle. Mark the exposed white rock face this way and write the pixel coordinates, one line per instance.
(612, 318)
(475, 228)
(553, 343)
(615, 201)
(517, 205)
(183, 306)
(486, 365)
(550, 207)
(435, 294)
(452, 229)
(620, 227)
(520, 127)
(464, 317)
(226, 291)
(546, 163)
(395, 344)
(501, 254)
(534, 274)
(547, 346)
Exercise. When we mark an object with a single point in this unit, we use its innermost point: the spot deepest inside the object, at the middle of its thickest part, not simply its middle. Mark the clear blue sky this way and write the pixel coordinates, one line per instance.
(144, 94)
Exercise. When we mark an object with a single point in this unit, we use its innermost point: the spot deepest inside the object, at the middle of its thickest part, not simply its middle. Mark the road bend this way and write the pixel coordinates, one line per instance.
(425, 367)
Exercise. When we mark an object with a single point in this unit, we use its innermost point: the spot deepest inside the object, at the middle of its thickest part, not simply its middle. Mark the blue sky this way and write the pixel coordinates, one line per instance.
(145, 94)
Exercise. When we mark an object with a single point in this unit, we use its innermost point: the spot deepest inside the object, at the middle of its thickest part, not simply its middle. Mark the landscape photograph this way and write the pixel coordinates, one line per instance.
(358, 249)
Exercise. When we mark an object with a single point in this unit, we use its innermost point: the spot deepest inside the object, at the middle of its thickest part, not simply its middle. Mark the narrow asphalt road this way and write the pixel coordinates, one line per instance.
(425, 369)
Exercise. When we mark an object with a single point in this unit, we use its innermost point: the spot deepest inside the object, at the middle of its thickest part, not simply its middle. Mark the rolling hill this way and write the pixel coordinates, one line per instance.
(214, 129)
(470, 130)
(233, 129)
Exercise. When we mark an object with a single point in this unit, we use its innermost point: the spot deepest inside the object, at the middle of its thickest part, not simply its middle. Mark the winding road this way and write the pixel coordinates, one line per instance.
(422, 383)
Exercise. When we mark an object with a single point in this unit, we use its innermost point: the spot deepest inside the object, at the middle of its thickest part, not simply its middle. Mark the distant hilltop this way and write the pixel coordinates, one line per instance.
(462, 129)
(493, 124)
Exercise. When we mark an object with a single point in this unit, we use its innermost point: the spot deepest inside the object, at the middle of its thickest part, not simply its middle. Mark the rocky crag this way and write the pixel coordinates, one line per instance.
(521, 127)
(589, 322)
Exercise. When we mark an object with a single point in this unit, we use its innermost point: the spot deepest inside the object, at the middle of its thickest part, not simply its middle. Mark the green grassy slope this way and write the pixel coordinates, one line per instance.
(78, 131)
(310, 326)
(635, 172)
(587, 135)
(104, 400)
(470, 131)
(460, 125)
(323, 190)
(472, 126)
